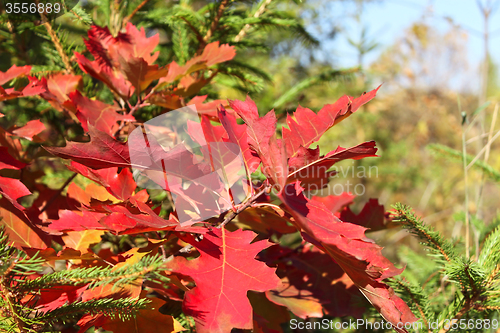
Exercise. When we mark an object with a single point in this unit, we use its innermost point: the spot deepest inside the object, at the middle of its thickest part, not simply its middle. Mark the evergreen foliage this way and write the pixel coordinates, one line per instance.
(451, 286)
(17, 314)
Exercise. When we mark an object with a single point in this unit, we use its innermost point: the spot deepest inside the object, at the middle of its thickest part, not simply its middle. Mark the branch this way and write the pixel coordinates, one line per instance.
(232, 214)
(57, 44)
(128, 18)
(215, 23)
(247, 26)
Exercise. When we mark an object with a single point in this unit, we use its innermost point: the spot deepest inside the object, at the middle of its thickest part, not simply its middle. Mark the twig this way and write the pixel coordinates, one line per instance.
(136, 107)
(185, 249)
(129, 17)
(59, 48)
(215, 23)
(232, 214)
(54, 197)
(245, 29)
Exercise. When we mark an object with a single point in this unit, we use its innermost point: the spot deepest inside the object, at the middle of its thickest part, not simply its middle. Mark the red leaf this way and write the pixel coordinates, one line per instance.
(121, 185)
(28, 131)
(13, 73)
(140, 73)
(212, 54)
(259, 130)
(55, 297)
(358, 256)
(20, 230)
(313, 285)
(372, 216)
(9, 162)
(311, 169)
(102, 116)
(238, 134)
(77, 221)
(13, 189)
(61, 85)
(215, 54)
(224, 272)
(306, 127)
(262, 139)
(114, 80)
(210, 108)
(335, 203)
(103, 151)
(35, 87)
(134, 44)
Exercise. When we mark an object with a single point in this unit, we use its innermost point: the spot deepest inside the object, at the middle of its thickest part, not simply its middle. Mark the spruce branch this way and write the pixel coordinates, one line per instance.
(57, 43)
(131, 15)
(98, 276)
(245, 28)
(404, 215)
(125, 308)
(417, 296)
(215, 23)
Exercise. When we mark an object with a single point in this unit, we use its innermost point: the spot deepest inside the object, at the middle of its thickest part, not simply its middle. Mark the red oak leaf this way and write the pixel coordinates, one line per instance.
(13, 189)
(224, 272)
(238, 134)
(102, 116)
(134, 44)
(372, 216)
(212, 55)
(121, 185)
(209, 109)
(259, 130)
(336, 203)
(55, 297)
(9, 162)
(103, 151)
(13, 73)
(21, 231)
(28, 131)
(262, 139)
(77, 221)
(311, 169)
(312, 284)
(306, 127)
(358, 256)
(138, 72)
(58, 87)
(103, 72)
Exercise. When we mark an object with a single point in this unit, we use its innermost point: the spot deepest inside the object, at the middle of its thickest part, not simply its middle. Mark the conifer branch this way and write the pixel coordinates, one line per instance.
(97, 276)
(131, 15)
(57, 43)
(247, 26)
(416, 299)
(432, 238)
(215, 22)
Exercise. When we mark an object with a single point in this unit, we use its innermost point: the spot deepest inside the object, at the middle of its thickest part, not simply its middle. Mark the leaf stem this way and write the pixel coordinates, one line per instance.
(232, 214)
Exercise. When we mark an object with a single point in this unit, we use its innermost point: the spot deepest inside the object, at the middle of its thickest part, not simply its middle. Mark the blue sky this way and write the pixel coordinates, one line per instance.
(388, 19)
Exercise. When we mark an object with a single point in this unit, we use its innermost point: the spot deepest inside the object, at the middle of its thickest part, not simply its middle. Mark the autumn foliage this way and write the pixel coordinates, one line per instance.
(236, 270)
